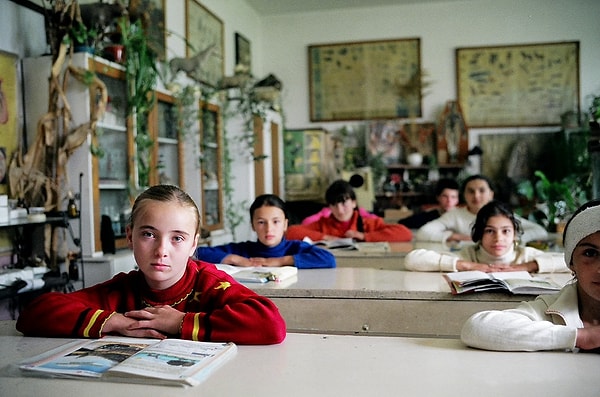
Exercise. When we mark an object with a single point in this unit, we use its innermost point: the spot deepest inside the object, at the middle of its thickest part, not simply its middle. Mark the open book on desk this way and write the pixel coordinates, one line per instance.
(520, 282)
(349, 244)
(259, 274)
(174, 362)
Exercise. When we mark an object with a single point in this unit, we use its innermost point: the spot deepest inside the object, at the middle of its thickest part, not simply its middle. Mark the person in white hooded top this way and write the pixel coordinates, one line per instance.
(455, 226)
(496, 236)
(568, 320)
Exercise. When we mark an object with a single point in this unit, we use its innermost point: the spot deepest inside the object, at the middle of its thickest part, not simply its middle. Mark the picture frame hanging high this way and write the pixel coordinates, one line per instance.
(243, 54)
(204, 35)
(518, 85)
(365, 80)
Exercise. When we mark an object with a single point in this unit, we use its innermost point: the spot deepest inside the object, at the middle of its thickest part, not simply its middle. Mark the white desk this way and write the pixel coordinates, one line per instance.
(338, 365)
(380, 302)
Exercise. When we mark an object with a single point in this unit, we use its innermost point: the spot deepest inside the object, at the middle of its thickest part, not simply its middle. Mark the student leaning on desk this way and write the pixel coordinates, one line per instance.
(171, 295)
(568, 320)
(269, 219)
(496, 236)
(345, 221)
(455, 225)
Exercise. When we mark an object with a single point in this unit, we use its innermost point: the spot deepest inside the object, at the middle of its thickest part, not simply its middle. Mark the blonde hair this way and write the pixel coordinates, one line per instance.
(164, 193)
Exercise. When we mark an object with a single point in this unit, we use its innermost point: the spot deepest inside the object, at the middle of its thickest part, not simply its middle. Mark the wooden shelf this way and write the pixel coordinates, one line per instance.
(424, 167)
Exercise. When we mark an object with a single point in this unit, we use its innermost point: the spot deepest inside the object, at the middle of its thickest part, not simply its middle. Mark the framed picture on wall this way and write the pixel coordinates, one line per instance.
(518, 85)
(243, 55)
(8, 113)
(365, 80)
(155, 26)
(204, 34)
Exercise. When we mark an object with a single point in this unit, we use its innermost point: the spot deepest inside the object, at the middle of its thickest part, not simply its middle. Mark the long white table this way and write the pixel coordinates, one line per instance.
(336, 365)
(372, 301)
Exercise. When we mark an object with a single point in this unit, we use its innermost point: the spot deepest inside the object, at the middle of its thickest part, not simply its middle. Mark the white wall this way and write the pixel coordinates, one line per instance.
(442, 27)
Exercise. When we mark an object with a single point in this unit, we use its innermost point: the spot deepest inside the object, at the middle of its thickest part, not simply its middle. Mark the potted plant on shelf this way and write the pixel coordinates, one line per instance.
(82, 38)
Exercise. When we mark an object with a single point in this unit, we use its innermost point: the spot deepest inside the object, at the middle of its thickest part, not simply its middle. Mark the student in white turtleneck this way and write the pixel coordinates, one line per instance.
(496, 236)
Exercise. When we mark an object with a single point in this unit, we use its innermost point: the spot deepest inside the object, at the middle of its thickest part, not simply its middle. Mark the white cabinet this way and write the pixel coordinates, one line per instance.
(104, 180)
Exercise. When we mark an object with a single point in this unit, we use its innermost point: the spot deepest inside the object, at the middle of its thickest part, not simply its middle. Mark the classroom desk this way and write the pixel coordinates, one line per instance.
(380, 302)
(393, 260)
(336, 365)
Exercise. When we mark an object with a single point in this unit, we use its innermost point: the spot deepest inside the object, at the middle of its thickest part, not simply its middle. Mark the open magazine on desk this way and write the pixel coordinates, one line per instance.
(173, 362)
(350, 244)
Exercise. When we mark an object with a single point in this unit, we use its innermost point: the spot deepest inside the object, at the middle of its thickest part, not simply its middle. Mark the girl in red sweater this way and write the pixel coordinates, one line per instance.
(345, 221)
(171, 295)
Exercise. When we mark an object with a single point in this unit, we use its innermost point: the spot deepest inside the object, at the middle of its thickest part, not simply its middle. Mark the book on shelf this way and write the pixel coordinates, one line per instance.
(350, 244)
(520, 282)
(259, 274)
(174, 362)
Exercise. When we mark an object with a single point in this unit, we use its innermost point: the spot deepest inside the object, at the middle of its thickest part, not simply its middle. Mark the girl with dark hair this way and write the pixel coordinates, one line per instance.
(568, 320)
(269, 219)
(455, 226)
(346, 221)
(496, 236)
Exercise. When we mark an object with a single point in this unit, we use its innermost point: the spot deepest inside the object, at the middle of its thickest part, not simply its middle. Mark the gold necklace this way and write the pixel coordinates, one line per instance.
(146, 304)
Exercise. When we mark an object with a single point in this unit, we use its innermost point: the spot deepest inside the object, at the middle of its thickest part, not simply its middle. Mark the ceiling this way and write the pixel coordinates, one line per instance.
(278, 7)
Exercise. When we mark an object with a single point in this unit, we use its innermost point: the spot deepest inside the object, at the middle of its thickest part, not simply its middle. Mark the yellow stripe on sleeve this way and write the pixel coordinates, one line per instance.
(86, 331)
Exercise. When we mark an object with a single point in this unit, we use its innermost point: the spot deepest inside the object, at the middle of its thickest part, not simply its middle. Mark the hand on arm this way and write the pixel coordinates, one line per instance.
(462, 265)
(287, 260)
(126, 326)
(459, 237)
(531, 267)
(360, 236)
(163, 320)
(237, 260)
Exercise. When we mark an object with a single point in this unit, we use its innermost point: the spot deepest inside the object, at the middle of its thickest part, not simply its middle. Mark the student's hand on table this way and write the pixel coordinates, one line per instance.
(531, 267)
(459, 237)
(360, 236)
(588, 338)
(163, 319)
(462, 265)
(122, 325)
(237, 260)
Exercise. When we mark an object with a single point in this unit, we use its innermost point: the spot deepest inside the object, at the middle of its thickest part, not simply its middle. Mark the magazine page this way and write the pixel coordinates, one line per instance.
(175, 361)
(87, 358)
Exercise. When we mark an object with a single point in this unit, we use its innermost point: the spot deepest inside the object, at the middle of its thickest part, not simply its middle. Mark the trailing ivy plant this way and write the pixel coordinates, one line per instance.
(141, 76)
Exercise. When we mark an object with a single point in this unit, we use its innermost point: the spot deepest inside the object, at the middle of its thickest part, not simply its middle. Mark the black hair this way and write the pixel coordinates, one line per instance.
(446, 183)
(268, 200)
(339, 191)
(493, 208)
(474, 178)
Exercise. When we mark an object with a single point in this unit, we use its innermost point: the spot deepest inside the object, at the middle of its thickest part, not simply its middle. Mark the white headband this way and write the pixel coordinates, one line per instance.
(580, 226)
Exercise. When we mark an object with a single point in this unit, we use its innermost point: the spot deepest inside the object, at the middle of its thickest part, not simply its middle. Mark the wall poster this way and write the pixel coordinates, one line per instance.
(518, 85)
(365, 80)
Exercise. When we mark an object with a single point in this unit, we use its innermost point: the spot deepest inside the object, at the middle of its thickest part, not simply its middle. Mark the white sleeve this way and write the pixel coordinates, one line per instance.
(423, 260)
(435, 231)
(520, 329)
(532, 231)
